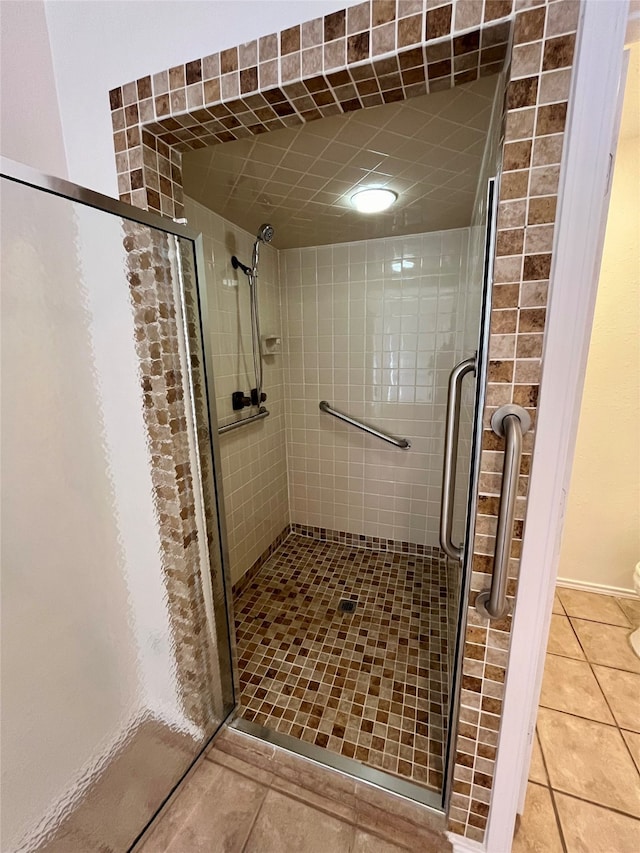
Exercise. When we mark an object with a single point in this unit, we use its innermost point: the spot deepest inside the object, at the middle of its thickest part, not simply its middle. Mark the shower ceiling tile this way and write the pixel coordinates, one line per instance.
(428, 149)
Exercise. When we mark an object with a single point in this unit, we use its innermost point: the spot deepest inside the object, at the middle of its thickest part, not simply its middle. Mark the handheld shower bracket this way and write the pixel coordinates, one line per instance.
(236, 264)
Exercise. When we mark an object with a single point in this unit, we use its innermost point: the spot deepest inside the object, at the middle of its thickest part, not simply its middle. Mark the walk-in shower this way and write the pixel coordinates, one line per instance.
(317, 539)
(373, 312)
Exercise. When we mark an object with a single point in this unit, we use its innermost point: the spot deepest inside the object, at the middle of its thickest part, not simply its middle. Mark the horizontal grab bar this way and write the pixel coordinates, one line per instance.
(391, 439)
(263, 413)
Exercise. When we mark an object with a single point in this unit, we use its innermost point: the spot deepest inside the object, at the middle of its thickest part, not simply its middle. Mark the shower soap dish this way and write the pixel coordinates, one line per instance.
(271, 344)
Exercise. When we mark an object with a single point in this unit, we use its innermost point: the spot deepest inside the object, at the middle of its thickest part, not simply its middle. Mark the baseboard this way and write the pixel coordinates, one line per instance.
(460, 844)
(602, 588)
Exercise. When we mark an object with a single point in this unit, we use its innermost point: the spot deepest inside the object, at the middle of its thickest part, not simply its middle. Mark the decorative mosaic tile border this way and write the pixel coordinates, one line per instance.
(373, 53)
(161, 375)
(322, 534)
(356, 540)
(535, 112)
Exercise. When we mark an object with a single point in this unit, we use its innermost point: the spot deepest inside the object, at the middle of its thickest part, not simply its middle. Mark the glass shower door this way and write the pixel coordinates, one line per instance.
(464, 440)
(115, 652)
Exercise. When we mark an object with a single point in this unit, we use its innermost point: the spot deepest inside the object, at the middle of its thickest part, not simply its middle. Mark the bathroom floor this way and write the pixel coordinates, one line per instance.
(584, 782)
(369, 684)
(248, 796)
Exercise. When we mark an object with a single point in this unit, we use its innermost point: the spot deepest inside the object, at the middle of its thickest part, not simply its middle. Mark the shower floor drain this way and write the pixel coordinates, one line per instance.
(347, 605)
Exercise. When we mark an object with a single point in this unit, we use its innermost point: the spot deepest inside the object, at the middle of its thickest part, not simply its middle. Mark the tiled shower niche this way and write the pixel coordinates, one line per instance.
(319, 513)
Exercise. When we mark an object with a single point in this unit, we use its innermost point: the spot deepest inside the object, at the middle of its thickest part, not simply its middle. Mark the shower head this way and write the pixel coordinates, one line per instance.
(265, 233)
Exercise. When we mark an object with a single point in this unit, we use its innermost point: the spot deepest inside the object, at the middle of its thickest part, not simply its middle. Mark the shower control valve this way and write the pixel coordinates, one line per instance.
(239, 401)
(254, 397)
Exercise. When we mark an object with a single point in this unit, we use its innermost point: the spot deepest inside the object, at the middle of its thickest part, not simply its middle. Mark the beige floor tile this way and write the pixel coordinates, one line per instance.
(591, 829)
(606, 644)
(537, 773)
(316, 799)
(622, 690)
(631, 607)
(570, 685)
(562, 640)
(593, 606)
(633, 742)
(557, 606)
(215, 803)
(366, 843)
(589, 760)
(537, 831)
(232, 762)
(286, 825)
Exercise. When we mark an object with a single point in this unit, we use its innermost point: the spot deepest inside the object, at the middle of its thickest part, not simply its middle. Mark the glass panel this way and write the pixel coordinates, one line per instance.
(110, 649)
(482, 233)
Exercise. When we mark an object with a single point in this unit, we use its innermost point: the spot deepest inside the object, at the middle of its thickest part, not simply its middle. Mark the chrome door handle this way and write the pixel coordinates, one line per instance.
(512, 422)
(452, 429)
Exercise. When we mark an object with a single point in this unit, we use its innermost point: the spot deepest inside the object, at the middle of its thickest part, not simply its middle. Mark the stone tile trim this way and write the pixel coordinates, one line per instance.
(149, 272)
(321, 68)
(535, 111)
(355, 540)
(539, 76)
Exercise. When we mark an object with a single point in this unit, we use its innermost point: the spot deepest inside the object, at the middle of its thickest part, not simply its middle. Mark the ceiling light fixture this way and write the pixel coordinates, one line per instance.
(373, 200)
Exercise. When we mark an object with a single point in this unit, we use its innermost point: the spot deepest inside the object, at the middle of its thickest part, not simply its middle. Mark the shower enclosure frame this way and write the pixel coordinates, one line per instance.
(412, 790)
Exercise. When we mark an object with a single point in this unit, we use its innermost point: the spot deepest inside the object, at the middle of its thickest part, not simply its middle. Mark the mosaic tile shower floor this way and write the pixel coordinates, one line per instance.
(371, 685)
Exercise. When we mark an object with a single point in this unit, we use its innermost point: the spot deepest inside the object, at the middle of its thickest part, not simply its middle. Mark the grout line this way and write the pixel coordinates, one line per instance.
(255, 819)
(327, 808)
(594, 803)
(551, 791)
(584, 651)
(557, 817)
(615, 725)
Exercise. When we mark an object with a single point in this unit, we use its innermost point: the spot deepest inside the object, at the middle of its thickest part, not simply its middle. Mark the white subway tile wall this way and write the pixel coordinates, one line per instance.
(253, 457)
(375, 328)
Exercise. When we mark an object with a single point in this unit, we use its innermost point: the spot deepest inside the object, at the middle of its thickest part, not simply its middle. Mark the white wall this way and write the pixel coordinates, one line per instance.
(99, 45)
(30, 128)
(601, 539)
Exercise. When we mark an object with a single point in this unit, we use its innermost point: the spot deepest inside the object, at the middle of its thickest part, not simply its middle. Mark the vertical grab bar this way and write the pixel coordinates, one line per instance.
(512, 422)
(452, 429)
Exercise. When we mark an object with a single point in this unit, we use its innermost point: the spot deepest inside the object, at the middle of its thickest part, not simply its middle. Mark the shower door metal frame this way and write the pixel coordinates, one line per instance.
(437, 802)
(213, 515)
(482, 369)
